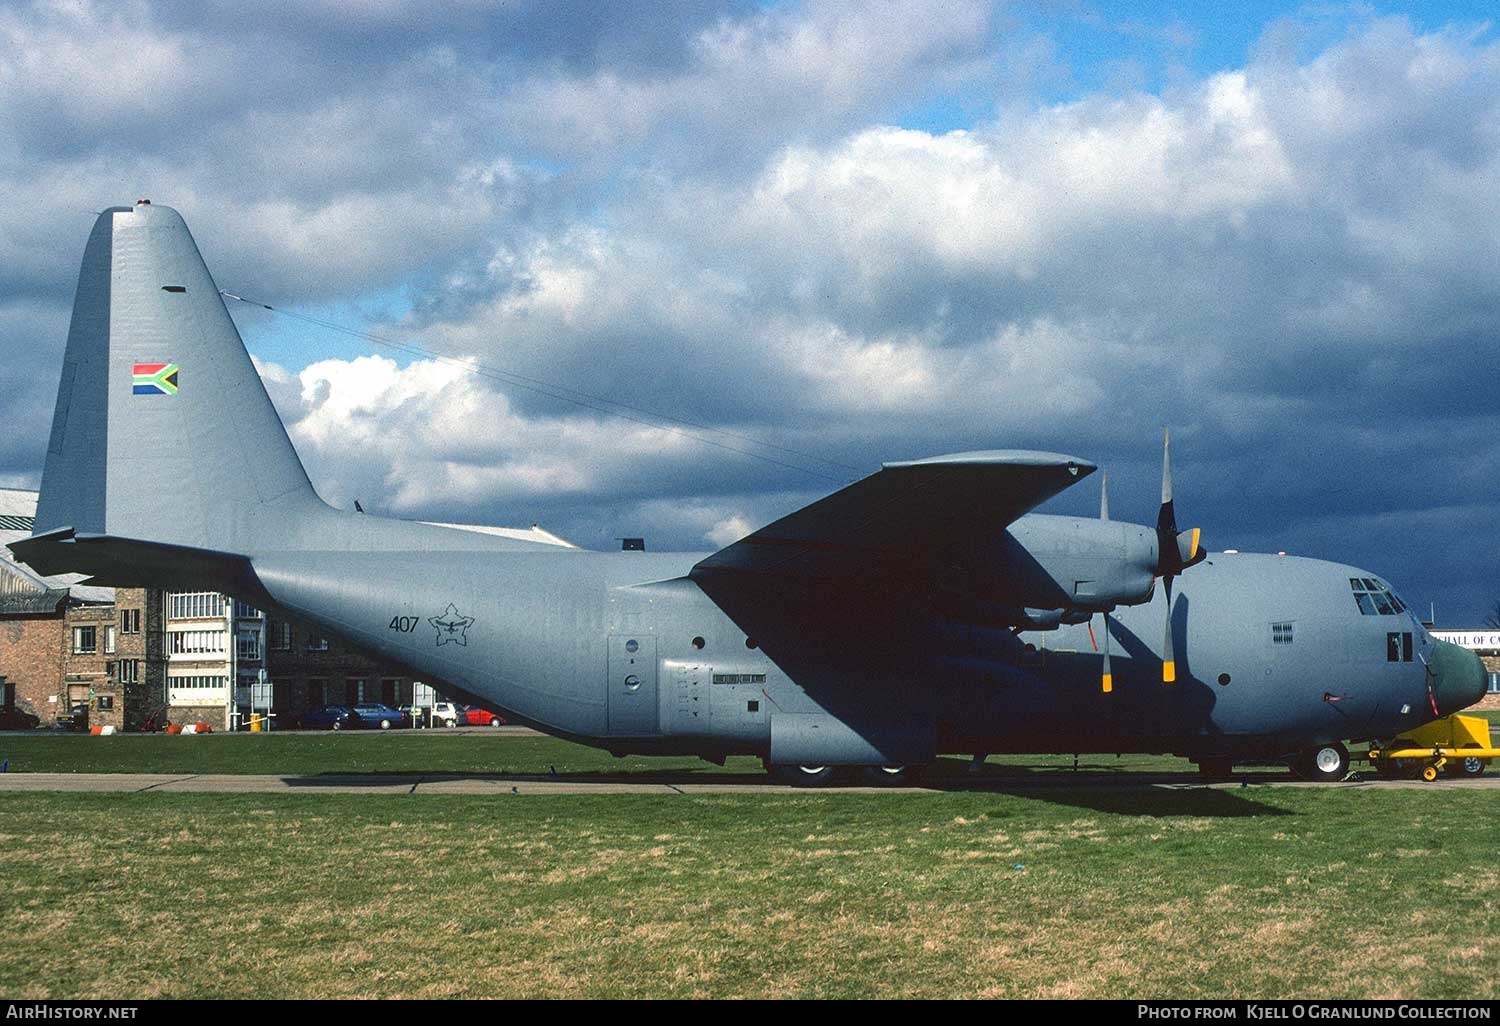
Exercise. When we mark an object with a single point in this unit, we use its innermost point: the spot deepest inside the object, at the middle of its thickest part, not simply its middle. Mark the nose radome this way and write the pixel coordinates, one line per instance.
(1458, 678)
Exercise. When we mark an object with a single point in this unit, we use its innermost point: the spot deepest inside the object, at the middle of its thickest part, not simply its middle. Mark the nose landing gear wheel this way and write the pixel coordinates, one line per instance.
(1325, 764)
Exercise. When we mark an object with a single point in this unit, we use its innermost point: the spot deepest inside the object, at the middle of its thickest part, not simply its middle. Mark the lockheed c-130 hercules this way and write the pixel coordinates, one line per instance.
(919, 611)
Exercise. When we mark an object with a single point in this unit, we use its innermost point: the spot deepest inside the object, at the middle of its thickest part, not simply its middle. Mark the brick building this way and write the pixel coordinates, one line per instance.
(73, 653)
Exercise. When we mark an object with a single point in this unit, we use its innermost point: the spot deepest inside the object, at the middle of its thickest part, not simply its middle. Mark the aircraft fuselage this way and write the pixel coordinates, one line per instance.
(625, 651)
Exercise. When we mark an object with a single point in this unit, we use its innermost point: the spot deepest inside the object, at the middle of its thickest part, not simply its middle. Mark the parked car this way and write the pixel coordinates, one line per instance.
(373, 715)
(478, 716)
(326, 717)
(17, 719)
(76, 719)
(443, 714)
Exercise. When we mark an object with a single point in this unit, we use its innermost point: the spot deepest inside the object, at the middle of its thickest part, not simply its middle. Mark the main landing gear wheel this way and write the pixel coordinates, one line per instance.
(1216, 771)
(804, 776)
(889, 776)
(1325, 764)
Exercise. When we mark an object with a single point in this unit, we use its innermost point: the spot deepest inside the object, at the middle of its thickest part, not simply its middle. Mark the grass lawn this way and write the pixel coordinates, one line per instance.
(1265, 892)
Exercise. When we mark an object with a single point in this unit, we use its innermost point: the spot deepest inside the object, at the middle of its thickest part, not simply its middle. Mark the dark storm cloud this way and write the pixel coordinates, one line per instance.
(706, 212)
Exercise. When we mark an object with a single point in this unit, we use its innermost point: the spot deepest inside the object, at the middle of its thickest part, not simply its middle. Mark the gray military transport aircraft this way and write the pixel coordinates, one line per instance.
(919, 611)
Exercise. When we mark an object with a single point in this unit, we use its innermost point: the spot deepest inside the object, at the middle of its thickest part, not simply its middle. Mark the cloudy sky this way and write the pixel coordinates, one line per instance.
(796, 239)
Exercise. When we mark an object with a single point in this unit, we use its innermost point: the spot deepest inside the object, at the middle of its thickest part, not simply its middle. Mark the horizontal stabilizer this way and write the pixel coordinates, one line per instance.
(938, 512)
(131, 563)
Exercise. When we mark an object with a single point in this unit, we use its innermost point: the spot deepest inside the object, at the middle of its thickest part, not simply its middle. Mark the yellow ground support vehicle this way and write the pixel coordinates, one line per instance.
(1458, 745)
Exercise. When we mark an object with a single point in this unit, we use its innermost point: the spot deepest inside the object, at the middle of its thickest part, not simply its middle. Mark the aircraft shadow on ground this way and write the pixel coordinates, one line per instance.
(1209, 803)
(1121, 793)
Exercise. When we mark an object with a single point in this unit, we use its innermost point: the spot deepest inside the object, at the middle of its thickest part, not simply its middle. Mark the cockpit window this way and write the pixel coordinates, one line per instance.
(1374, 598)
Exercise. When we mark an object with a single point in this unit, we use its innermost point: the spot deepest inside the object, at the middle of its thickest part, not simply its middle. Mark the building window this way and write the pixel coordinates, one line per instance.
(198, 643)
(197, 689)
(317, 692)
(197, 682)
(354, 691)
(280, 636)
(130, 671)
(1281, 633)
(245, 611)
(316, 642)
(106, 702)
(188, 605)
(247, 646)
(109, 640)
(84, 641)
(130, 621)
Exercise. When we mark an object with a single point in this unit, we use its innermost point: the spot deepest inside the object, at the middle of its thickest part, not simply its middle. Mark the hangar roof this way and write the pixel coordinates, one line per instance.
(23, 590)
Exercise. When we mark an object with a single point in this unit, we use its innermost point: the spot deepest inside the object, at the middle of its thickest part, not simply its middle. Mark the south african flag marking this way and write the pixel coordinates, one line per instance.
(154, 379)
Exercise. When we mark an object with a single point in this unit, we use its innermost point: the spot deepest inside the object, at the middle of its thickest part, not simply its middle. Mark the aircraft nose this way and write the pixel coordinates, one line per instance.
(1458, 677)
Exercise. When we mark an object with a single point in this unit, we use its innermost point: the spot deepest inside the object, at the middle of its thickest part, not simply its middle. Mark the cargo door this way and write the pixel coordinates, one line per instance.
(631, 693)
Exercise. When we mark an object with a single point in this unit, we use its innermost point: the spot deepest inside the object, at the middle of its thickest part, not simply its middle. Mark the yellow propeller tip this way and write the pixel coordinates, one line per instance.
(1168, 673)
(1109, 683)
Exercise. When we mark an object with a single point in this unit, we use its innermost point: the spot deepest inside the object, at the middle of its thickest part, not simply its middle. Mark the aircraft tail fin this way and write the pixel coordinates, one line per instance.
(163, 431)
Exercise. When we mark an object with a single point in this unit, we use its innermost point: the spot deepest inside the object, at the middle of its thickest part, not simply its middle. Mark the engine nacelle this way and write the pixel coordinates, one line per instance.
(1049, 619)
(1078, 564)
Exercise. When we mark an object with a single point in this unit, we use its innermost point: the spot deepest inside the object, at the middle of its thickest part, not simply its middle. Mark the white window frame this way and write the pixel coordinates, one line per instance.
(78, 648)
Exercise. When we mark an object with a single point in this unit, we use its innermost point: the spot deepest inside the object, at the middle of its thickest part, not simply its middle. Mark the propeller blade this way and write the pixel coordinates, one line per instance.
(1166, 519)
(1104, 495)
(1168, 657)
(1108, 681)
(1176, 550)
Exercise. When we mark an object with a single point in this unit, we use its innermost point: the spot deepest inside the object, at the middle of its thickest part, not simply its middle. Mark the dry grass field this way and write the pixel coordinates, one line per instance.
(1249, 892)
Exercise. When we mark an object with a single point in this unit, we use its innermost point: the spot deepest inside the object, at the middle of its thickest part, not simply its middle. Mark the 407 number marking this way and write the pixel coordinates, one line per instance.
(405, 624)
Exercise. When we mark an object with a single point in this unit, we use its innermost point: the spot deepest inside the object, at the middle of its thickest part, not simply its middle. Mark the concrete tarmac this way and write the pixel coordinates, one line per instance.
(645, 783)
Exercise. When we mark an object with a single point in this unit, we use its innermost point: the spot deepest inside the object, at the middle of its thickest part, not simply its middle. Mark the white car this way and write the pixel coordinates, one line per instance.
(443, 714)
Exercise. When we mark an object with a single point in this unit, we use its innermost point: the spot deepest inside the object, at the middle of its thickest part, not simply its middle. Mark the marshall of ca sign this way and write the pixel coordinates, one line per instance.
(1478, 641)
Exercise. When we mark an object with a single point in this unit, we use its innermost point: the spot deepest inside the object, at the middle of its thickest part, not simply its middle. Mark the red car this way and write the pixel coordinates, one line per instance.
(474, 716)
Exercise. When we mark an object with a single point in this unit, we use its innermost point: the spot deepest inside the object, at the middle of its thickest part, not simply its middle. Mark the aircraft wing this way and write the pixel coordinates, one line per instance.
(940, 514)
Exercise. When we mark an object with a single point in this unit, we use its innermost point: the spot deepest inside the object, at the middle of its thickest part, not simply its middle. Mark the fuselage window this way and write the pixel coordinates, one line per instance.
(1398, 646)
